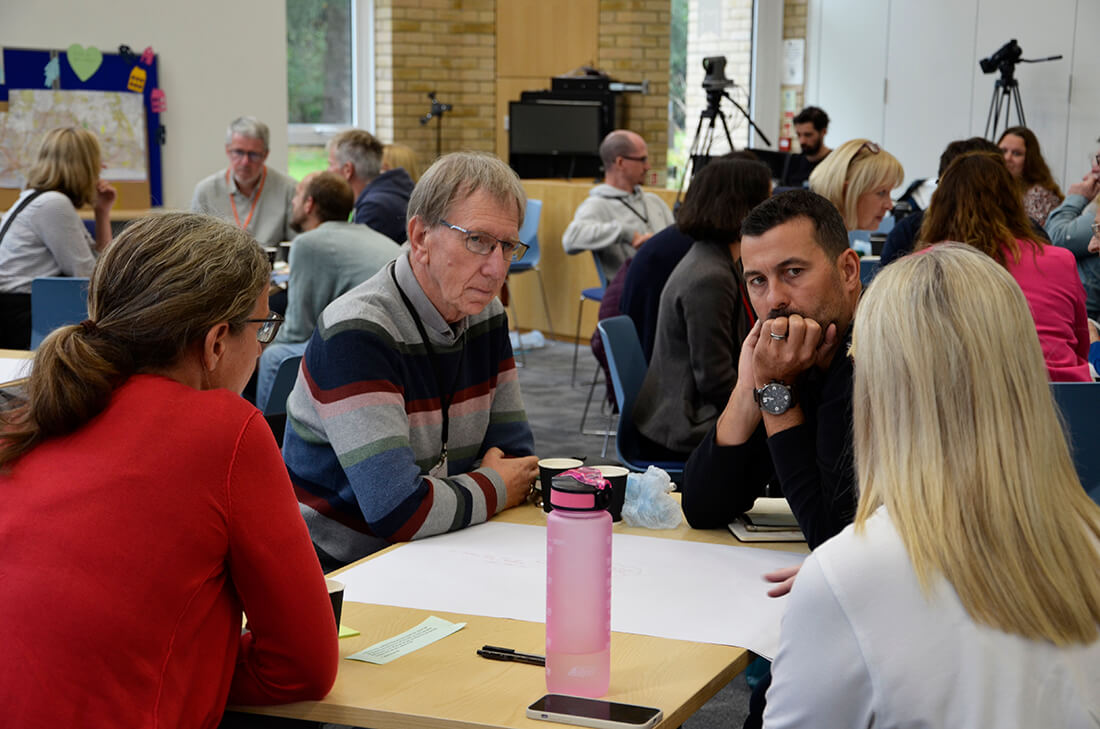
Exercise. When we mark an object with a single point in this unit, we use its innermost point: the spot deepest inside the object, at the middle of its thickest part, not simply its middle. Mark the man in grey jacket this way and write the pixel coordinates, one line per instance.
(618, 216)
(1070, 226)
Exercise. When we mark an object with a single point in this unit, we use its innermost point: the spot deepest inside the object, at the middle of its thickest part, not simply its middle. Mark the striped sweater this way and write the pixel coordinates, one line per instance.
(364, 419)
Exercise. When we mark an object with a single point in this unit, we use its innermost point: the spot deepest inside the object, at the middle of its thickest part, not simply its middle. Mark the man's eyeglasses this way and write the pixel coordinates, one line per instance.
(483, 244)
(643, 159)
(270, 326)
(242, 153)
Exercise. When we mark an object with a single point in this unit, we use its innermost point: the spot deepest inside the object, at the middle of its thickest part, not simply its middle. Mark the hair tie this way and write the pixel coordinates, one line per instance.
(89, 326)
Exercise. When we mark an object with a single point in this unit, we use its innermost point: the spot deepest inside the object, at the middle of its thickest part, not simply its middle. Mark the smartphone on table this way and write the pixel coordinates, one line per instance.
(593, 712)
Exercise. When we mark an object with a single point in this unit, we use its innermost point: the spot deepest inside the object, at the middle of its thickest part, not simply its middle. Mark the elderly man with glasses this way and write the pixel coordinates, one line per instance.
(406, 420)
(1070, 225)
(247, 193)
(618, 216)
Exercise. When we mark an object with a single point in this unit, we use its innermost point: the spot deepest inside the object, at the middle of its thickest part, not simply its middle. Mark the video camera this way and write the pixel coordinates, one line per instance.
(715, 80)
(1007, 55)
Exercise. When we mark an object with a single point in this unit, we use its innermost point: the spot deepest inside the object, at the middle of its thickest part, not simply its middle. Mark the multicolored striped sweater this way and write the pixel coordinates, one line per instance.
(364, 419)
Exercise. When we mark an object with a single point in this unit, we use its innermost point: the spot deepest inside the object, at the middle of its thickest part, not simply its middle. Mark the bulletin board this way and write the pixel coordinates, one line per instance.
(125, 72)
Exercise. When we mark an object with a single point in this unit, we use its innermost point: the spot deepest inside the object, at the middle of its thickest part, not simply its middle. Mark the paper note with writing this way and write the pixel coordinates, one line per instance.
(428, 632)
(499, 570)
(14, 368)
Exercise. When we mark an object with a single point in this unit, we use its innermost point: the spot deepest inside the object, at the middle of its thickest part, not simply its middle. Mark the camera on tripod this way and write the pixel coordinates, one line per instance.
(715, 80)
(1007, 55)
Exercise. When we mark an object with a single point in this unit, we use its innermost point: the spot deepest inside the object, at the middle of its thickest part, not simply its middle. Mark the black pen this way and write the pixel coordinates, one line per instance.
(497, 653)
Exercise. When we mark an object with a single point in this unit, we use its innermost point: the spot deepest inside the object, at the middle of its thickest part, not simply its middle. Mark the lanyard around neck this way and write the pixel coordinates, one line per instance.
(252, 207)
(444, 400)
(643, 218)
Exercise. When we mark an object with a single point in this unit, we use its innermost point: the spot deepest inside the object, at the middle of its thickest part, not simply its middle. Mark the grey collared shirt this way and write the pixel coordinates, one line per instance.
(431, 318)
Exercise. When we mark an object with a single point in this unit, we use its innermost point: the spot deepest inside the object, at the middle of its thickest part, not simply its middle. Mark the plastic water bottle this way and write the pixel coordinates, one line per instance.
(578, 584)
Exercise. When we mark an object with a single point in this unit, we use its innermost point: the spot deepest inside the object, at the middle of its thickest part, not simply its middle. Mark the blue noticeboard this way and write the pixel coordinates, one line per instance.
(25, 69)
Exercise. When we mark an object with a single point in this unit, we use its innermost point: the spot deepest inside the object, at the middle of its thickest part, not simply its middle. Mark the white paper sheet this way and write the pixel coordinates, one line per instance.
(707, 593)
(14, 369)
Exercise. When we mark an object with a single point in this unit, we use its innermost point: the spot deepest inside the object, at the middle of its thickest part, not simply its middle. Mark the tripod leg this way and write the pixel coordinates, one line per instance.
(726, 129)
(992, 106)
(1019, 107)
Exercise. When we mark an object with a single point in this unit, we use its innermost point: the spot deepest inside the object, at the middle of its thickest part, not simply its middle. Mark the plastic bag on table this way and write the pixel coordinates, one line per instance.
(648, 503)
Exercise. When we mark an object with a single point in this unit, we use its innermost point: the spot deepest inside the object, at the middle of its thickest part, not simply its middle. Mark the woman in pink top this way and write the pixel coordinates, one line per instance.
(976, 202)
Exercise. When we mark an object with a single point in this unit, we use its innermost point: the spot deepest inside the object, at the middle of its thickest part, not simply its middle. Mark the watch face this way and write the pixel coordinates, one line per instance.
(775, 398)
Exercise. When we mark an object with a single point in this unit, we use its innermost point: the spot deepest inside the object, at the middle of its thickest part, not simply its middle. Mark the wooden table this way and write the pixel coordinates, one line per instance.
(447, 686)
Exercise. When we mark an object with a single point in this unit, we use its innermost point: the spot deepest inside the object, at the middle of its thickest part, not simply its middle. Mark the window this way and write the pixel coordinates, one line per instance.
(321, 89)
(694, 37)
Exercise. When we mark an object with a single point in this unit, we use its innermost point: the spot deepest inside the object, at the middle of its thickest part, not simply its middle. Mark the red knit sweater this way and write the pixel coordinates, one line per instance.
(127, 551)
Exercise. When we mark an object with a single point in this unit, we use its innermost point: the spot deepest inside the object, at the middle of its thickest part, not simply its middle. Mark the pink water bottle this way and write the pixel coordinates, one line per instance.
(578, 584)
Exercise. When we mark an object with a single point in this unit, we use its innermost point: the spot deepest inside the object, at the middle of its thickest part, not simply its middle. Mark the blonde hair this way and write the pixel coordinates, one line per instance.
(68, 162)
(962, 443)
(164, 282)
(851, 170)
(400, 155)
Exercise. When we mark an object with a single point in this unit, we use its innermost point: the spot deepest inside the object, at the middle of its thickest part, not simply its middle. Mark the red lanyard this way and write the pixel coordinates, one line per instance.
(252, 207)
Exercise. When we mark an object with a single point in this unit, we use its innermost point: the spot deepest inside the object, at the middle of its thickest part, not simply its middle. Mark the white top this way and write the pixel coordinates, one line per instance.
(861, 646)
(47, 238)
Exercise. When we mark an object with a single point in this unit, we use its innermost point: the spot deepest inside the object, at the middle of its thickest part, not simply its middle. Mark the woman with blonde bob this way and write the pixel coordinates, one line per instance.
(42, 234)
(967, 592)
(400, 155)
(857, 178)
(146, 503)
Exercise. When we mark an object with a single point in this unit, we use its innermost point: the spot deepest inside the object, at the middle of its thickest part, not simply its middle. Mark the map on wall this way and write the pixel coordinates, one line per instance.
(117, 118)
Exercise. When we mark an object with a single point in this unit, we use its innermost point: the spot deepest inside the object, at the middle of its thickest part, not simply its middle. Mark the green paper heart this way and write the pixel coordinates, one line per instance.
(84, 61)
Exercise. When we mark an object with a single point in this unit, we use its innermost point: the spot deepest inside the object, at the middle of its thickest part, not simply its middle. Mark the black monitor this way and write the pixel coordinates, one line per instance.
(554, 128)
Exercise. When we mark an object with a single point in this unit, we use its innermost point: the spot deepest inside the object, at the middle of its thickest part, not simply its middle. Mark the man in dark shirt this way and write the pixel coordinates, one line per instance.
(381, 197)
(810, 125)
(788, 421)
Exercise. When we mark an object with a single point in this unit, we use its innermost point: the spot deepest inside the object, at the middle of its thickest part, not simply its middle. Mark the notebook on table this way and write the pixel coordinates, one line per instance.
(769, 520)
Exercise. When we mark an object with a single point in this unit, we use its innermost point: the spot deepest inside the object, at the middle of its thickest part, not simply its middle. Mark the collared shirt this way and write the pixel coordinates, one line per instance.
(430, 317)
(270, 223)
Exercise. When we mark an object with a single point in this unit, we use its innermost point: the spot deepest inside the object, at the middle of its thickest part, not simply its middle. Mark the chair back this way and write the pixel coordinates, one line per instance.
(1079, 403)
(599, 271)
(56, 301)
(285, 377)
(627, 365)
(529, 234)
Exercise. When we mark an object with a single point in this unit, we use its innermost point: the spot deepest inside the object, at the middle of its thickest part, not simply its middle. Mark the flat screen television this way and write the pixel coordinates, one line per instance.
(556, 128)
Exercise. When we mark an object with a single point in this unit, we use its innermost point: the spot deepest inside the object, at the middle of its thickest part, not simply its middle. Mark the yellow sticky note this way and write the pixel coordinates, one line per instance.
(346, 632)
(137, 80)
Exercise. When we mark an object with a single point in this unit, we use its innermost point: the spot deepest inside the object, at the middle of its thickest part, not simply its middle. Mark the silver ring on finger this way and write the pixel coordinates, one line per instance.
(777, 336)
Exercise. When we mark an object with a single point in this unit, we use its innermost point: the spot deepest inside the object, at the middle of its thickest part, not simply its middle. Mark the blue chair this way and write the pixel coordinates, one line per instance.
(868, 269)
(56, 301)
(529, 234)
(1079, 403)
(275, 408)
(593, 294)
(628, 367)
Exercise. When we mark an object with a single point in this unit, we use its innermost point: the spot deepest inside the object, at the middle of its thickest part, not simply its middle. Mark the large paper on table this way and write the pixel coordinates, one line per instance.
(707, 593)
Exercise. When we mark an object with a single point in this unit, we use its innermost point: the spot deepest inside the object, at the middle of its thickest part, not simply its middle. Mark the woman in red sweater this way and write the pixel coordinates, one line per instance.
(977, 202)
(146, 503)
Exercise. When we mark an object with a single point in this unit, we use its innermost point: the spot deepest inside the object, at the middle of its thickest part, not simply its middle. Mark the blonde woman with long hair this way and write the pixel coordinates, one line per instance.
(967, 592)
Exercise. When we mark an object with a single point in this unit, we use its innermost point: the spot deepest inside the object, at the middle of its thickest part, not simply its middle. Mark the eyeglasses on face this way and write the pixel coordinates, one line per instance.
(643, 159)
(269, 326)
(242, 153)
(483, 243)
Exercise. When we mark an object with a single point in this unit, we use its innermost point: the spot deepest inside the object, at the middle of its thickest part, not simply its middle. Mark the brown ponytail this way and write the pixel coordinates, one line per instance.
(156, 291)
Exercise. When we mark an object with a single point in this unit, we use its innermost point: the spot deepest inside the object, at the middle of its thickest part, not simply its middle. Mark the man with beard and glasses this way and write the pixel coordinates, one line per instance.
(788, 423)
(810, 125)
(328, 259)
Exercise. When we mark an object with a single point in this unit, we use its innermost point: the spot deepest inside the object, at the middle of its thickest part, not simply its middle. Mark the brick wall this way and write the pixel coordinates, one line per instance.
(634, 38)
(794, 26)
(449, 46)
(446, 46)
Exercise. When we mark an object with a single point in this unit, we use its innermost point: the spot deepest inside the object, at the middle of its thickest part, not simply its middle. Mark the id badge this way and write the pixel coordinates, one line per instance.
(439, 470)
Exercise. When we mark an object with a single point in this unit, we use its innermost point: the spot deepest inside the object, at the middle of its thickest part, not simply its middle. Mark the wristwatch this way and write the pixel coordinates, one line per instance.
(775, 398)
